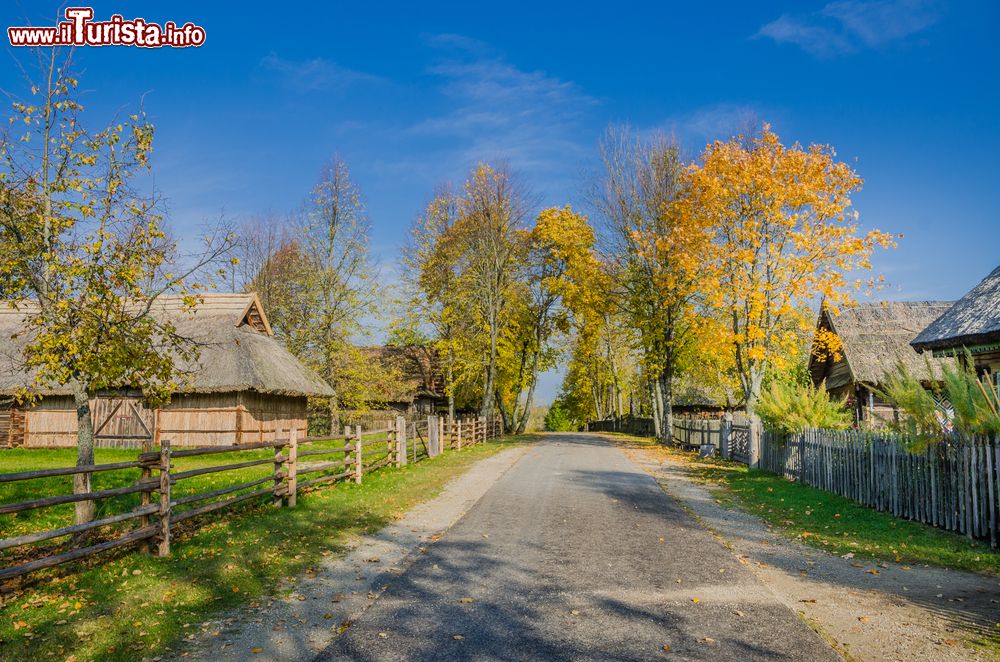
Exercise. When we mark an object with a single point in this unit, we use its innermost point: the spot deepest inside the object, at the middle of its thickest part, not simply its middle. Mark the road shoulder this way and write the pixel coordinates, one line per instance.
(867, 611)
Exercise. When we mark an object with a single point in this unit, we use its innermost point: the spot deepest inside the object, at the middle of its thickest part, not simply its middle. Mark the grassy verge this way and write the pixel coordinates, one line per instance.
(831, 522)
(129, 606)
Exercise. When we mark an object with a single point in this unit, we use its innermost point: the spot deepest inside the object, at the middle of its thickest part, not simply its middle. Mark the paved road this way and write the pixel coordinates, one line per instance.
(577, 554)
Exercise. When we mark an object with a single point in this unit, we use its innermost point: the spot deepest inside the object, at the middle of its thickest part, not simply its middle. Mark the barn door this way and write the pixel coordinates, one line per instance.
(122, 422)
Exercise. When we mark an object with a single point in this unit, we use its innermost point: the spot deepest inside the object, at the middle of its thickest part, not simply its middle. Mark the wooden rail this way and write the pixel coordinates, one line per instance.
(159, 511)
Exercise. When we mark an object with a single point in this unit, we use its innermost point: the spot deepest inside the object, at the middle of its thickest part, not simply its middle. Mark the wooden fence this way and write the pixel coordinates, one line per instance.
(952, 484)
(295, 464)
(634, 425)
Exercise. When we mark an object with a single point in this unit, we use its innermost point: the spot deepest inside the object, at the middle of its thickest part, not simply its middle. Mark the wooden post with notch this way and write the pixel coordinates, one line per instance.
(400, 441)
(358, 455)
(279, 473)
(292, 481)
(163, 546)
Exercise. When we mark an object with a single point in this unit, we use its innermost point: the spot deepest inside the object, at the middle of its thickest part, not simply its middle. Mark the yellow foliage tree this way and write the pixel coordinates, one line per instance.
(784, 237)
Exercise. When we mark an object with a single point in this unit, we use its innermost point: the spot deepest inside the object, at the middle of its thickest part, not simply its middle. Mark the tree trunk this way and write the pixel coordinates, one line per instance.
(84, 450)
(523, 423)
(667, 411)
(491, 372)
(451, 386)
(656, 395)
(503, 413)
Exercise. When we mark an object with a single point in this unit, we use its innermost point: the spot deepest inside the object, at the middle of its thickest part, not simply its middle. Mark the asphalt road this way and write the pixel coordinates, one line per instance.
(577, 554)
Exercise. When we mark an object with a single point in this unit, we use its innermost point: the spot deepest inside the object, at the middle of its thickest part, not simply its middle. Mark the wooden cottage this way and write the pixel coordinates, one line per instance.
(972, 324)
(417, 385)
(876, 338)
(244, 387)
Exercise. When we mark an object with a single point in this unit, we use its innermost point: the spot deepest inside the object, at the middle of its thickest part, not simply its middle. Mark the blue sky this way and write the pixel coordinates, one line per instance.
(412, 95)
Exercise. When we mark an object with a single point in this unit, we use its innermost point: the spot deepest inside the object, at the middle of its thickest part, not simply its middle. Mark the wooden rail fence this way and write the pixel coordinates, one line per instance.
(296, 464)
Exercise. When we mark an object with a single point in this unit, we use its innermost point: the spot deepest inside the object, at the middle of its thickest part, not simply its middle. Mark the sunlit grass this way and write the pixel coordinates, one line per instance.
(128, 605)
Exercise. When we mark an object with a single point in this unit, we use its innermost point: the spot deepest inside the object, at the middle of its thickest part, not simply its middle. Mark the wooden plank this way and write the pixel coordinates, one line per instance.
(79, 553)
(323, 466)
(325, 479)
(207, 508)
(68, 471)
(216, 493)
(72, 498)
(41, 536)
(993, 484)
(190, 473)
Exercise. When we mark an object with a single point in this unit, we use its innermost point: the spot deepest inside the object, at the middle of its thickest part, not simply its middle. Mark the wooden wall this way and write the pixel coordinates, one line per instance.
(199, 419)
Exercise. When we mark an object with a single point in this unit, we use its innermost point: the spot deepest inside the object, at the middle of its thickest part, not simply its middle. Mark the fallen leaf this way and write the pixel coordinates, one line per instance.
(811, 600)
(950, 642)
(863, 619)
(457, 637)
(465, 601)
(256, 649)
(667, 648)
(327, 615)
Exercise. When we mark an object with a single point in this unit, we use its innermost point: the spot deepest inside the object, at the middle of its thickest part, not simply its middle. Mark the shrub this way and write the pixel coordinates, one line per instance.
(557, 419)
(796, 407)
(974, 402)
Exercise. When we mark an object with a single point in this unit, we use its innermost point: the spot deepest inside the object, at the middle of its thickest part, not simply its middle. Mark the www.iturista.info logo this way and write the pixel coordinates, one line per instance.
(79, 29)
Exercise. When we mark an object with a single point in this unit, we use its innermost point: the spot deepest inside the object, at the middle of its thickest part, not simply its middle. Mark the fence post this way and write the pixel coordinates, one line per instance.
(725, 430)
(755, 441)
(442, 445)
(400, 441)
(293, 457)
(279, 473)
(433, 438)
(482, 427)
(145, 498)
(163, 548)
(358, 455)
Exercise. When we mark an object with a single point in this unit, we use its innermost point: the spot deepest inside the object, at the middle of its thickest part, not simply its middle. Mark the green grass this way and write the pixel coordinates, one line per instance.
(831, 522)
(123, 606)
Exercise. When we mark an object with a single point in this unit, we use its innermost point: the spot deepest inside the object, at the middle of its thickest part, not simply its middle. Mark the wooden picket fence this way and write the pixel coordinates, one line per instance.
(160, 510)
(952, 484)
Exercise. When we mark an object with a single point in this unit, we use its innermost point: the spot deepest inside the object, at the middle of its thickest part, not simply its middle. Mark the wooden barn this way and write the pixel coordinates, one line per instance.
(972, 324)
(875, 338)
(243, 387)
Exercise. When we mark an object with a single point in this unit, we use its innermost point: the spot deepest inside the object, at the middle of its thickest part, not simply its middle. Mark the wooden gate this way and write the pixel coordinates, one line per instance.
(122, 422)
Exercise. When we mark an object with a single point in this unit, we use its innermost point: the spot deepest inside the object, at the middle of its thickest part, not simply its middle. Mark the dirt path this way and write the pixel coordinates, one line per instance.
(866, 610)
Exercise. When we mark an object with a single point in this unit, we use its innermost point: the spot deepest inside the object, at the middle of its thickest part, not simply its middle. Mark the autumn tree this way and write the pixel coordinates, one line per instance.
(319, 284)
(655, 254)
(784, 238)
(429, 264)
(84, 253)
(489, 244)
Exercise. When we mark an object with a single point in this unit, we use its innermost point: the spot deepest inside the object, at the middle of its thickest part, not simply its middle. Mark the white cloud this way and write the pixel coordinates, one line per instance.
(847, 26)
(314, 74)
(530, 118)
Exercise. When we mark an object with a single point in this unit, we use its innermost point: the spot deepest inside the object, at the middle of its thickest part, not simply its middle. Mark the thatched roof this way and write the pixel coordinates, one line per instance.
(876, 338)
(973, 320)
(237, 350)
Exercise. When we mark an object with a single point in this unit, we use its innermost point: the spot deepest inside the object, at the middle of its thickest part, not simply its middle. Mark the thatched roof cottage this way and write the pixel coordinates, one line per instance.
(243, 387)
(876, 338)
(972, 324)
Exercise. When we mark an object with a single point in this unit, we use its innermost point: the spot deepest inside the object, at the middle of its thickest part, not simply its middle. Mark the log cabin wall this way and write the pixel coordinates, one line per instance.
(194, 420)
